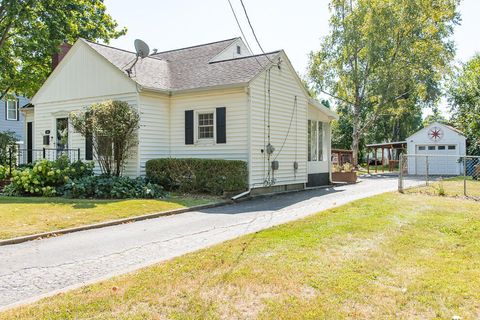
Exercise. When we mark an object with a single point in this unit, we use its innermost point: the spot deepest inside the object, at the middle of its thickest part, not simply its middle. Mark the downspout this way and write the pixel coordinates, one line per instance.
(241, 195)
(249, 146)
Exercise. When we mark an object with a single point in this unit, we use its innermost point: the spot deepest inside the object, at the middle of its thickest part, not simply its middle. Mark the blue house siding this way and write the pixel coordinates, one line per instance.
(16, 126)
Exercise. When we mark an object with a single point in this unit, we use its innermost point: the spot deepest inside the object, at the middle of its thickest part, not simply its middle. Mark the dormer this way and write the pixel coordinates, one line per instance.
(236, 49)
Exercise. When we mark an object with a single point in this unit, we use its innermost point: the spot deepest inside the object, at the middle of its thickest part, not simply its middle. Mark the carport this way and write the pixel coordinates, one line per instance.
(394, 149)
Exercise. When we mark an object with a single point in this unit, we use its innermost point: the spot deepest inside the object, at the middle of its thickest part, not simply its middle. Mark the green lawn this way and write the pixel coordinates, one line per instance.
(451, 187)
(393, 256)
(23, 215)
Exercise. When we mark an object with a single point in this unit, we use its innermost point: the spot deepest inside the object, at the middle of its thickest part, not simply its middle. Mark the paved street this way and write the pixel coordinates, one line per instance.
(38, 268)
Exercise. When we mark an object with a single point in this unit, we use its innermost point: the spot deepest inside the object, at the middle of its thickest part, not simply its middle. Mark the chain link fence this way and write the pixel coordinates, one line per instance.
(444, 175)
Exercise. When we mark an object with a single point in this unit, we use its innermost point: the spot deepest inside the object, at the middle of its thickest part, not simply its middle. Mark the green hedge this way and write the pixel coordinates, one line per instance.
(198, 175)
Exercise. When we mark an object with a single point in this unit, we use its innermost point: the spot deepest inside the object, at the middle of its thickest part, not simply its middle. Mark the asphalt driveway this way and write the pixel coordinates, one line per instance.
(34, 269)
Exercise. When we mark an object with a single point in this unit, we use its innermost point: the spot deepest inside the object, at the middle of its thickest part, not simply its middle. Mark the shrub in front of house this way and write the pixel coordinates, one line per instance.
(112, 187)
(46, 178)
(7, 141)
(3, 172)
(210, 176)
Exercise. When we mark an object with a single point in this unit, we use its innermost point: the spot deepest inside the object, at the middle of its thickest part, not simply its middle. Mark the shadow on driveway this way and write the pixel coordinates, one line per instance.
(272, 202)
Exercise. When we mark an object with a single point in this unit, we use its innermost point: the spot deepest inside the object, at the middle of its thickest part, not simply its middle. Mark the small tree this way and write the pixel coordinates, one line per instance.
(112, 127)
(7, 140)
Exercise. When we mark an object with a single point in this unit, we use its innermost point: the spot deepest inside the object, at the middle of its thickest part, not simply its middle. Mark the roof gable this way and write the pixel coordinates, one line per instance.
(231, 51)
(435, 124)
(83, 73)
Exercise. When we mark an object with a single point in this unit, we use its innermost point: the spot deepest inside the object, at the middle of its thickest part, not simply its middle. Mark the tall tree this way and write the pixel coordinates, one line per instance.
(464, 99)
(436, 116)
(32, 30)
(384, 58)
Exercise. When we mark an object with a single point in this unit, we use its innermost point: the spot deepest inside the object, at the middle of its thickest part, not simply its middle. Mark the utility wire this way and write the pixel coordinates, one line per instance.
(336, 97)
(253, 31)
(288, 130)
(243, 34)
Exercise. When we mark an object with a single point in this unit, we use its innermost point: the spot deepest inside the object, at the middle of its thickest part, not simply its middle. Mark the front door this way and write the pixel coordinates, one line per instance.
(62, 136)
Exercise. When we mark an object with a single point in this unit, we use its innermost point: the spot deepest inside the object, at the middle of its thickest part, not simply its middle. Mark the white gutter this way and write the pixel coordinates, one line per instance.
(175, 92)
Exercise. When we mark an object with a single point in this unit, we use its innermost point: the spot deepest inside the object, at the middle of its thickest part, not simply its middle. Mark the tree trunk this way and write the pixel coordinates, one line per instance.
(356, 134)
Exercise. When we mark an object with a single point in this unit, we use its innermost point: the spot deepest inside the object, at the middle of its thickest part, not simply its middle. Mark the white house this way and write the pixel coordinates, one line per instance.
(215, 100)
(438, 144)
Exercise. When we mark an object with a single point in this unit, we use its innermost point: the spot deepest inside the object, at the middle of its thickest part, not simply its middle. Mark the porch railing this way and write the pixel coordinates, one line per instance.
(19, 157)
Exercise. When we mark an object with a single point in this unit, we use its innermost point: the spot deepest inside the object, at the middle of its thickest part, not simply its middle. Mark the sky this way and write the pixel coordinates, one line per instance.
(295, 26)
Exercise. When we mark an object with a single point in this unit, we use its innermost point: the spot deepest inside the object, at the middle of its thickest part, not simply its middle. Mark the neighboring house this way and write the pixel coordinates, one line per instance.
(443, 143)
(11, 119)
(214, 100)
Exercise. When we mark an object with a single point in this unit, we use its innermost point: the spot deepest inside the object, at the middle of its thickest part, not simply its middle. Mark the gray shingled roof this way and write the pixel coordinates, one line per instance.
(187, 68)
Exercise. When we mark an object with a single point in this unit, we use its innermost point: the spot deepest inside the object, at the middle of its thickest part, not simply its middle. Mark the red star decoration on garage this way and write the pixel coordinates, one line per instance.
(435, 134)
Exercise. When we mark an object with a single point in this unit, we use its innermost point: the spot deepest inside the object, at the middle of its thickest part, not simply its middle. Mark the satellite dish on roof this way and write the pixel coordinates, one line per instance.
(142, 48)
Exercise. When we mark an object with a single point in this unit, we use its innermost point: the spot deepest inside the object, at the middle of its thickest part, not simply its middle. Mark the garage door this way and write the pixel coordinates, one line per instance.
(442, 161)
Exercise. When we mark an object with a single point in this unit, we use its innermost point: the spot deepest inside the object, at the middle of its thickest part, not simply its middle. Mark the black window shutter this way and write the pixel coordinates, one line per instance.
(221, 125)
(88, 146)
(18, 109)
(188, 126)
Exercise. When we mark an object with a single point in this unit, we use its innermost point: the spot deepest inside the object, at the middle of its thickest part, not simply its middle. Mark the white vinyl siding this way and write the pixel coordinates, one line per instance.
(45, 119)
(154, 128)
(84, 73)
(284, 113)
(235, 103)
(81, 79)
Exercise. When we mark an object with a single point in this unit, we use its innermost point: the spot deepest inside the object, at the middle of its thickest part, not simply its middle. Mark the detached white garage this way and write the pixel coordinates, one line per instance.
(437, 146)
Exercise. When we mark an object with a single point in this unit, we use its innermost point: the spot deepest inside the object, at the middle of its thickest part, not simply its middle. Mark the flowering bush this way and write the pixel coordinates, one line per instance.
(47, 178)
(3, 172)
(112, 187)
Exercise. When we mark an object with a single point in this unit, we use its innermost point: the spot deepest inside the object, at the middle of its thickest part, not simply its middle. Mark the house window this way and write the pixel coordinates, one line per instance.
(315, 141)
(320, 141)
(431, 147)
(441, 147)
(205, 125)
(421, 148)
(309, 129)
(12, 110)
(239, 50)
(451, 147)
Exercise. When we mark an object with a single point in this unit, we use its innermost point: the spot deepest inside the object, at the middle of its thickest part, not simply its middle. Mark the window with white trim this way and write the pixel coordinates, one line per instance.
(205, 125)
(320, 141)
(315, 140)
(12, 110)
